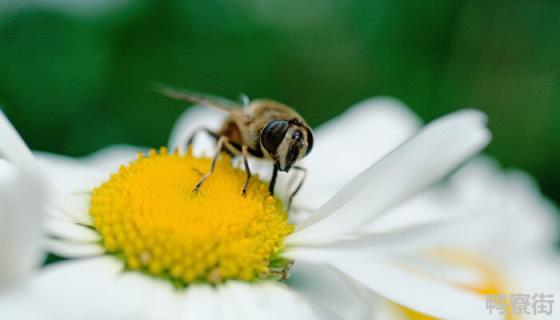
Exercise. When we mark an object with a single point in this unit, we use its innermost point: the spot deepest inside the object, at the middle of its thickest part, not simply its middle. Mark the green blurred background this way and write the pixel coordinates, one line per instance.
(75, 74)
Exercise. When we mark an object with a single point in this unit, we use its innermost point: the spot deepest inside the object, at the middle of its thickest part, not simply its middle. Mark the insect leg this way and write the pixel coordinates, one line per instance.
(193, 135)
(302, 169)
(219, 146)
(273, 180)
(245, 152)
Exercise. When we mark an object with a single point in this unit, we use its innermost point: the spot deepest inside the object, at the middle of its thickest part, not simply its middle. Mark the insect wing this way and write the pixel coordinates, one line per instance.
(197, 98)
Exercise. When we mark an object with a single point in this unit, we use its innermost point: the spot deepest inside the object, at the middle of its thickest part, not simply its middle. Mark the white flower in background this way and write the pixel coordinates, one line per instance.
(148, 249)
(506, 247)
(21, 214)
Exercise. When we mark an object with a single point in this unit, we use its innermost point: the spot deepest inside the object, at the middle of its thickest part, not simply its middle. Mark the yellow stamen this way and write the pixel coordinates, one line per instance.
(148, 214)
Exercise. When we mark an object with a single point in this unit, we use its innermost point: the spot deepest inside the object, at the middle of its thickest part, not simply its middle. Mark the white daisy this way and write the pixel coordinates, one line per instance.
(149, 249)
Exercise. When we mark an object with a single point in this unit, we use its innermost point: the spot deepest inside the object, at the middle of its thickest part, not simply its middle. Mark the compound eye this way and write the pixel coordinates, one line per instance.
(273, 134)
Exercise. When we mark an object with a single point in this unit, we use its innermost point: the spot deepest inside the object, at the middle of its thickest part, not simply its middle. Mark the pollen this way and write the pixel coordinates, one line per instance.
(148, 215)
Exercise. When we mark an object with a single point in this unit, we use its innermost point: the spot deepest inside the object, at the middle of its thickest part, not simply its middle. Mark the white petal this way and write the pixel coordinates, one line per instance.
(348, 144)
(100, 289)
(85, 289)
(21, 304)
(21, 215)
(379, 246)
(191, 120)
(202, 302)
(74, 208)
(12, 147)
(81, 175)
(70, 231)
(109, 159)
(130, 295)
(165, 302)
(423, 160)
(427, 207)
(92, 289)
(68, 174)
(504, 209)
(536, 274)
(428, 296)
(69, 249)
(332, 290)
(267, 300)
(385, 309)
(511, 208)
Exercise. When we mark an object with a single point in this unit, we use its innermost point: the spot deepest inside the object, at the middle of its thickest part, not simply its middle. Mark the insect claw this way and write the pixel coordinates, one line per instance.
(245, 188)
(198, 185)
(194, 193)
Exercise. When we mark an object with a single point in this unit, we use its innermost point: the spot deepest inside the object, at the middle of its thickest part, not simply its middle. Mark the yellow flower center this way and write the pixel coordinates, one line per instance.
(148, 215)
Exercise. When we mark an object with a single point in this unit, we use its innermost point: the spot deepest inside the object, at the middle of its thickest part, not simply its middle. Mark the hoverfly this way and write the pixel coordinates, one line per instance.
(263, 128)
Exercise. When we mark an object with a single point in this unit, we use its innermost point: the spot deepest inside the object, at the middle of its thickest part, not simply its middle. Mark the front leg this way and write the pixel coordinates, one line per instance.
(273, 180)
(245, 154)
(234, 151)
(223, 140)
(300, 184)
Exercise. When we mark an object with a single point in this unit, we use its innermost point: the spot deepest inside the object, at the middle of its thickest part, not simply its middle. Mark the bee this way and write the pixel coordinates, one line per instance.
(263, 128)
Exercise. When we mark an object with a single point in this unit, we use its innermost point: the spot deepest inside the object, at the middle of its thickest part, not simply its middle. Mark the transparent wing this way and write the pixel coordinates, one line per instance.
(197, 98)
